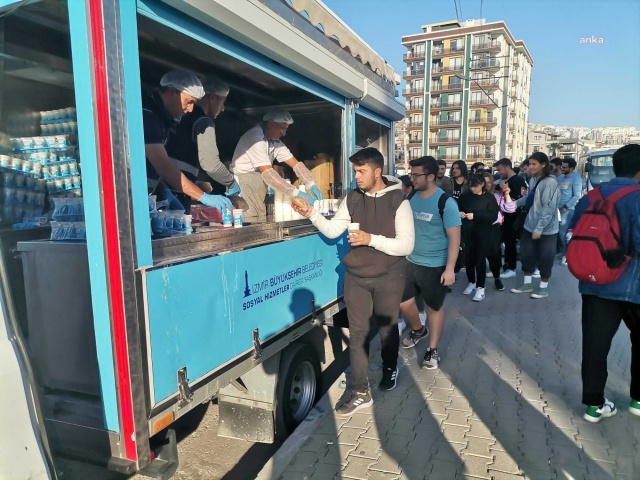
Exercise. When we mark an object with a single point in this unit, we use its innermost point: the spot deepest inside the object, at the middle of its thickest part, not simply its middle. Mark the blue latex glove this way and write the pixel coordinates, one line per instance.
(219, 202)
(174, 203)
(233, 189)
(307, 197)
(315, 192)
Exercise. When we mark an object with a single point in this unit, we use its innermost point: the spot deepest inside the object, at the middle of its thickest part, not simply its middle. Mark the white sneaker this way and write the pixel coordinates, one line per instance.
(469, 290)
(479, 296)
(508, 274)
(536, 274)
(564, 261)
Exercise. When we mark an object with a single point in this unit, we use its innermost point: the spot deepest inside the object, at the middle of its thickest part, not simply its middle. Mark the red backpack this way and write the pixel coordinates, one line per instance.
(596, 253)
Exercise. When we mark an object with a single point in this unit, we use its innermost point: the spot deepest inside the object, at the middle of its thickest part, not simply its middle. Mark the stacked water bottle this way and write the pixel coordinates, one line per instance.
(41, 164)
(168, 222)
(68, 219)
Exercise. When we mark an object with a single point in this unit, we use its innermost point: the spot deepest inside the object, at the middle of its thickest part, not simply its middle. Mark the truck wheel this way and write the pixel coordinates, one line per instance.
(298, 387)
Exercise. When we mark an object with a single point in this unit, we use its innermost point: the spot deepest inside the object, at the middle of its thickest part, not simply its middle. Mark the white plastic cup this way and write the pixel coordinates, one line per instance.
(353, 226)
(237, 217)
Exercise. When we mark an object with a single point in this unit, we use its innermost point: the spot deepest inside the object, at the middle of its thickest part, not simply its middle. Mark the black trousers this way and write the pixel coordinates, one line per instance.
(479, 247)
(510, 236)
(600, 321)
(371, 300)
(538, 253)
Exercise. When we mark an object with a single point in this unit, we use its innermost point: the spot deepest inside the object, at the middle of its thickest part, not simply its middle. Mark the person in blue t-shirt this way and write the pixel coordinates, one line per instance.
(430, 270)
(570, 184)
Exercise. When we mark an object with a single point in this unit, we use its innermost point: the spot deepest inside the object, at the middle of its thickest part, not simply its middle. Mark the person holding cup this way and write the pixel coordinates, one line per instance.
(380, 228)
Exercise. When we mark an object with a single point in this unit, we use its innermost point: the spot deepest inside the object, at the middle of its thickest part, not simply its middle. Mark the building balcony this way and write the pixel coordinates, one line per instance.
(438, 52)
(487, 47)
(411, 56)
(481, 156)
(414, 72)
(451, 87)
(486, 84)
(435, 140)
(412, 91)
(485, 64)
(414, 108)
(489, 119)
(446, 121)
(449, 156)
(442, 105)
(482, 139)
(516, 61)
(483, 101)
(414, 142)
(415, 125)
(449, 68)
(513, 92)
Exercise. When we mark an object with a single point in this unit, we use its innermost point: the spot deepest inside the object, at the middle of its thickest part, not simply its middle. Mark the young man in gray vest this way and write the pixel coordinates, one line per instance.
(376, 262)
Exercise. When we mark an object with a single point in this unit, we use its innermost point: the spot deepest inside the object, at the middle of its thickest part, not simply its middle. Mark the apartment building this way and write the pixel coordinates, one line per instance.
(467, 92)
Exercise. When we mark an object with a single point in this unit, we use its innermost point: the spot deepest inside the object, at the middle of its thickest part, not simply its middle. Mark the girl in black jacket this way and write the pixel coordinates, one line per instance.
(478, 210)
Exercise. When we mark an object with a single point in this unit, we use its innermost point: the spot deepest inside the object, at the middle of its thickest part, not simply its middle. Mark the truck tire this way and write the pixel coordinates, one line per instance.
(298, 387)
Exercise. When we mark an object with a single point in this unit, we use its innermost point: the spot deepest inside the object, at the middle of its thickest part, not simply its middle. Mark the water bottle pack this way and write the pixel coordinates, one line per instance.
(68, 219)
(65, 231)
(170, 222)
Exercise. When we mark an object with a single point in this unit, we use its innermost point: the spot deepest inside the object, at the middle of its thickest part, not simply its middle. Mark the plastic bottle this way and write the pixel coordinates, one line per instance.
(226, 218)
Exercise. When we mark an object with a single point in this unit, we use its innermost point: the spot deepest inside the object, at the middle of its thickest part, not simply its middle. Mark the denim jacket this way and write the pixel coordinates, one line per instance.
(627, 287)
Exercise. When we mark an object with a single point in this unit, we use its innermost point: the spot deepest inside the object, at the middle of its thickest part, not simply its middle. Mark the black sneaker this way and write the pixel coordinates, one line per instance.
(389, 379)
(431, 359)
(414, 337)
(499, 284)
(355, 402)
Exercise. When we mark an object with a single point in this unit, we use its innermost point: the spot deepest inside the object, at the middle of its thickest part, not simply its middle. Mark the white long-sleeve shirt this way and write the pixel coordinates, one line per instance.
(399, 246)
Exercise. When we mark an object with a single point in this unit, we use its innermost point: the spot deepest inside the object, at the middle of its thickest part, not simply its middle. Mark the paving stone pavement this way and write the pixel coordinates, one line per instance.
(504, 405)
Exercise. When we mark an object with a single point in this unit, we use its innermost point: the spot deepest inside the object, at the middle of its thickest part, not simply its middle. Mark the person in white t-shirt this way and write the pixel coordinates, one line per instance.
(252, 165)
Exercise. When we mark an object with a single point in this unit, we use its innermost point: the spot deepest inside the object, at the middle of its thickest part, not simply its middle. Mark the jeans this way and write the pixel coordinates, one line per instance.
(600, 321)
(371, 300)
(565, 220)
(538, 253)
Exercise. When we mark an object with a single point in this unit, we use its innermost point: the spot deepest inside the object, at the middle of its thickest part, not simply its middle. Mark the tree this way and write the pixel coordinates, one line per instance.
(553, 148)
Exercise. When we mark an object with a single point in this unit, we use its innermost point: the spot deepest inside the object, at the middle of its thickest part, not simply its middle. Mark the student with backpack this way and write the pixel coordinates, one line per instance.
(539, 239)
(609, 278)
(431, 264)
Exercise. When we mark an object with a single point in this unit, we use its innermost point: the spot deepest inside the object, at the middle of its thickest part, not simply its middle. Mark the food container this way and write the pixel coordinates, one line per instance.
(16, 163)
(237, 217)
(19, 180)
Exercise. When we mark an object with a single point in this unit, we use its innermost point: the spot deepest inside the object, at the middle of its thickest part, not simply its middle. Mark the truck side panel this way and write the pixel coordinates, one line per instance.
(201, 314)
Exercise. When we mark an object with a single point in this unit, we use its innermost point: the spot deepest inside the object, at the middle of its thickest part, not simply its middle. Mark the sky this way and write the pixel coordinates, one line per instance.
(572, 83)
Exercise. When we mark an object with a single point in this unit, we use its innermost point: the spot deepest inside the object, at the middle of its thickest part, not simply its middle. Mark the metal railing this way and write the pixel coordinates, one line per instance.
(444, 51)
(413, 55)
(416, 124)
(481, 138)
(486, 46)
(451, 86)
(436, 139)
(484, 83)
(446, 121)
(482, 101)
(489, 119)
(487, 156)
(445, 104)
(492, 63)
(413, 72)
(450, 156)
(413, 90)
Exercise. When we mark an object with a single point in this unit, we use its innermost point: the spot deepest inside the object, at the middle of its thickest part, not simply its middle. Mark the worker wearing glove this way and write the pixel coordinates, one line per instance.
(233, 189)
(219, 202)
(252, 165)
(310, 200)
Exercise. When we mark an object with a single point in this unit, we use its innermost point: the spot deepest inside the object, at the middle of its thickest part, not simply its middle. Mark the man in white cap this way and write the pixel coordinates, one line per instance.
(252, 165)
(193, 146)
(178, 93)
